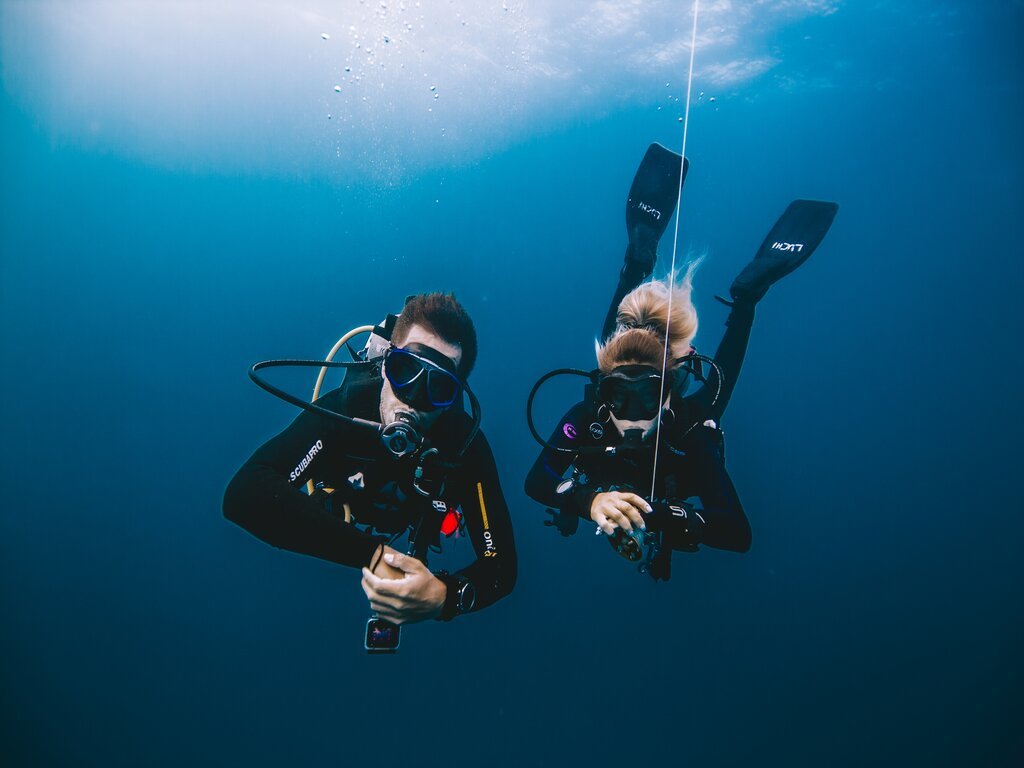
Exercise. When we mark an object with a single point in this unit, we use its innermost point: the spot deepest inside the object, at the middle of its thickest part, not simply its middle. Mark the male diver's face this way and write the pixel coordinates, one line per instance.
(390, 405)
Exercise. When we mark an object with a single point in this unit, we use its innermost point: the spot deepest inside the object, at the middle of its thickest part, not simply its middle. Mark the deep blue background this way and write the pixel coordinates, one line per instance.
(874, 439)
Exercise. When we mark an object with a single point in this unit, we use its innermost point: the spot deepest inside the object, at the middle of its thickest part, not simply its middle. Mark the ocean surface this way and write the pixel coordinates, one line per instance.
(175, 204)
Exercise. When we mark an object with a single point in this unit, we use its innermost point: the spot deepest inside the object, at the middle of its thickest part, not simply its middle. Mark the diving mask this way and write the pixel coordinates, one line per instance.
(632, 392)
(422, 377)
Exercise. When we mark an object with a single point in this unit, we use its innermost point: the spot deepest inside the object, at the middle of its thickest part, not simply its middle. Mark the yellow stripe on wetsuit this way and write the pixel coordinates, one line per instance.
(483, 507)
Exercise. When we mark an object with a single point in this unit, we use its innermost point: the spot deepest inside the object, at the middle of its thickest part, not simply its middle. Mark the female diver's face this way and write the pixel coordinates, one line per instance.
(390, 405)
(648, 426)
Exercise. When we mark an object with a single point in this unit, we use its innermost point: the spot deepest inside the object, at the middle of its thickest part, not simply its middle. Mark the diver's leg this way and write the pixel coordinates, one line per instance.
(702, 404)
(649, 207)
(634, 271)
(730, 353)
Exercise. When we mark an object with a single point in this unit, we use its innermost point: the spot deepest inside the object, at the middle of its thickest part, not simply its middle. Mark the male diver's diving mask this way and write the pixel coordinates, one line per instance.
(632, 392)
(422, 377)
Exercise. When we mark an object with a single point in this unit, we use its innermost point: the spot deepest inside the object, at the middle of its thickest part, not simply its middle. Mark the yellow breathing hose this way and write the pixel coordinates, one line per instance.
(320, 380)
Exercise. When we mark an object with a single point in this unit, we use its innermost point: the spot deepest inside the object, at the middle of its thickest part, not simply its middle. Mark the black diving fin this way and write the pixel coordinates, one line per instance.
(788, 245)
(651, 203)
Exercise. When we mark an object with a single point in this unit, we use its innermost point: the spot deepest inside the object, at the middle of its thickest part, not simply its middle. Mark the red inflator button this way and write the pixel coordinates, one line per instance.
(450, 524)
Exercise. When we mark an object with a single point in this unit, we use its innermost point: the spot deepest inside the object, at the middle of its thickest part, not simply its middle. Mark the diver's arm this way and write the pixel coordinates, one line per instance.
(721, 523)
(263, 499)
(547, 471)
(487, 519)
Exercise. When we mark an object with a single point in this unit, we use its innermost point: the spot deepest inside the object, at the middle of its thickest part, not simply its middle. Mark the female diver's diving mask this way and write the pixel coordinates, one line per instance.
(632, 392)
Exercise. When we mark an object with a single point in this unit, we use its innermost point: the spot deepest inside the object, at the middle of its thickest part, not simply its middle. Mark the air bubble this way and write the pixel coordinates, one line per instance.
(324, 36)
(337, 89)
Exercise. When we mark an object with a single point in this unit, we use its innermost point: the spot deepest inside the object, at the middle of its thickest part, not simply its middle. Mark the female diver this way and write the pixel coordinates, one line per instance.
(640, 444)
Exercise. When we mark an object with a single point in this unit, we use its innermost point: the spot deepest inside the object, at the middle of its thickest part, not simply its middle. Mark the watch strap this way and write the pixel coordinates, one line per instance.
(454, 583)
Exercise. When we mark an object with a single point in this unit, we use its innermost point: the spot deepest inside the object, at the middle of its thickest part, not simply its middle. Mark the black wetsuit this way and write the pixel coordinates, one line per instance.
(265, 498)
(700, 473)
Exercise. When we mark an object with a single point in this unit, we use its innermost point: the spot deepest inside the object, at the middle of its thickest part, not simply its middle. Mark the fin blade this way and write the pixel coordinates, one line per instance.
(653, 195)
(804, 223)
(789, 243)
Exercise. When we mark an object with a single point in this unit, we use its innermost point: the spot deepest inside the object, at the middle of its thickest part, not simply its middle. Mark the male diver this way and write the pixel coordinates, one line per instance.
(638, 409)
(389, 452)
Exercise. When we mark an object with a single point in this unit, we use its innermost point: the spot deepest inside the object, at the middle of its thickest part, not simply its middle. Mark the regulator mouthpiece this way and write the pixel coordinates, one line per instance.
(400, 437)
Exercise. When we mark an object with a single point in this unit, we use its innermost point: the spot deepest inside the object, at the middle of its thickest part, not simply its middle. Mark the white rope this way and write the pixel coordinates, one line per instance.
(675, 245)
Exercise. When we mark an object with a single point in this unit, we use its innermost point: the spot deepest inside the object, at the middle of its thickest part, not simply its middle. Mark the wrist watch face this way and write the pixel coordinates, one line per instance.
(466, 597)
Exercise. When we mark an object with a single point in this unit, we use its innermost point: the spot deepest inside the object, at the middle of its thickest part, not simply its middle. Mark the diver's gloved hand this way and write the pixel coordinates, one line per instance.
(703, 439)
(616, 509)
(678, 520)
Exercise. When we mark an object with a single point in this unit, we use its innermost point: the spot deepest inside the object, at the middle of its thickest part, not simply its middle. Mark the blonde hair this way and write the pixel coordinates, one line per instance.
(643, 319)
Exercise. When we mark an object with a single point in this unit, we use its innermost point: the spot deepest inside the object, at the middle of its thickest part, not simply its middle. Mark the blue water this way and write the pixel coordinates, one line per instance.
(873, 437)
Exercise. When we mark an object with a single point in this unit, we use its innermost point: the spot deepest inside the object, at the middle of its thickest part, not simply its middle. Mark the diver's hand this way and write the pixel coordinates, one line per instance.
(416, 596)
(615, 509)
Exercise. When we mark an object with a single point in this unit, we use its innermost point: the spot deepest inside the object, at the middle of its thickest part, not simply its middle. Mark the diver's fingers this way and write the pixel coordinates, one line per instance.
(378, 602)
(637, 501)
(635, 517)
(621, 515)
(382, 586)
(386, 613)
(372, 587)
(382, 605)
(604, 523)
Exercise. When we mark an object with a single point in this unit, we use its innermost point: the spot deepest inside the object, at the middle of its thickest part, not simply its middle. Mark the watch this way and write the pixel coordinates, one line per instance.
(461, 595)
(465, 596)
